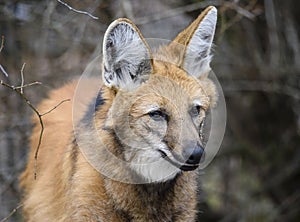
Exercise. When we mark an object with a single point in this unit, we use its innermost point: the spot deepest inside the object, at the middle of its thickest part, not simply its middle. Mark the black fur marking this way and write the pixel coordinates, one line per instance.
(105, 69)
(132, 76)
(119, 73)
(202, 54)
(109, 43)
(144, 67)
(206, 37)
(74, 156)
(87, 119)
(99, 101)
(107, 80)
(124, 215)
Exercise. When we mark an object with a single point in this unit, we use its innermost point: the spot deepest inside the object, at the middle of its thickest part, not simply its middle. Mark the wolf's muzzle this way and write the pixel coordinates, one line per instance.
(195, 155)
(192, 156)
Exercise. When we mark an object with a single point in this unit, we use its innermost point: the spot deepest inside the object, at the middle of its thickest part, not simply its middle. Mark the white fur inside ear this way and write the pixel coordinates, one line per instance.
(198, 53)
(126, 58)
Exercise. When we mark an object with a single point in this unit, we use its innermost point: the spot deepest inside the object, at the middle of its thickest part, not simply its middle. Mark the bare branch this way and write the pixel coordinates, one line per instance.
(2, 43)
(19, 91)
(243, 12)
(61, 102)
(78, 11)
(27, 85)
(177, 11)
(193, 7)
(3, 70)
(274, 41)
(1, 48)
(41, 134)
(12, 213)
(22, 77)
(38, 114)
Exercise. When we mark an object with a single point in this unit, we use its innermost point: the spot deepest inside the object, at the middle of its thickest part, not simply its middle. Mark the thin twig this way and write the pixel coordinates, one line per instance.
(243, 12)
(39, 143)
(78, 11)
(18, 91)
(193, 7)
(41, 134)
(2, 43)
(273, 34)
(22, 77)
(38, 114)
(12, 213)
(1, 48)
(3, 70)
(61, 102)
(176, 11)
(27, 85)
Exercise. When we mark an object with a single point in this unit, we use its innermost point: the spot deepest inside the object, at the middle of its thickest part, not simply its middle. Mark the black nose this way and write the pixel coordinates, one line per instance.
(195, 155)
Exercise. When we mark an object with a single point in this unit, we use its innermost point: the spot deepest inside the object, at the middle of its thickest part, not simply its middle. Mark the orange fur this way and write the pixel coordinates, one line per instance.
(69, 188)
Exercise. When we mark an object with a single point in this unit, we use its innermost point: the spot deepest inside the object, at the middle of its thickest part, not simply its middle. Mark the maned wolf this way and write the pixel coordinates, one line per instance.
(148, 115)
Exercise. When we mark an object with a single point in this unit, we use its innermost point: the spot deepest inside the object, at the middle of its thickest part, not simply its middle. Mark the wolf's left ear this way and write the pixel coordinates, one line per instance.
(126, 56)
(197, 41)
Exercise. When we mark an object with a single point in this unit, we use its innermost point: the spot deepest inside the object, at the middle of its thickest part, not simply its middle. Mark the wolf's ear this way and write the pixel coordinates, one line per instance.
(197, 41)
(126, 56)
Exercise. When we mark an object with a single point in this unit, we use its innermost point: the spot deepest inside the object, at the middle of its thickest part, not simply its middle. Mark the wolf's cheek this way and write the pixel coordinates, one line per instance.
(149, 129)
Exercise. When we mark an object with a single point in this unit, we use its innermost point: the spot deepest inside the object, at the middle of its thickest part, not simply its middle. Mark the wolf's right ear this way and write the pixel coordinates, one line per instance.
(126, 56)
(197, 41)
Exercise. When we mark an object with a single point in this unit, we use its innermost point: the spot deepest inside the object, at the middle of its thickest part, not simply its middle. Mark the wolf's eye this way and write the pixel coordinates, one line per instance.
(195, 111)
(158, 115)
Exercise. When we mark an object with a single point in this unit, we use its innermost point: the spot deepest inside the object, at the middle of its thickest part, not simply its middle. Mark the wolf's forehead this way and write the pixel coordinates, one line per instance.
(174, 78)
(175, 89)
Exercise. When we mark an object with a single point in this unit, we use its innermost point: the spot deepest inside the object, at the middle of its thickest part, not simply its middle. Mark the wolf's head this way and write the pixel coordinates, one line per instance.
(159, 98)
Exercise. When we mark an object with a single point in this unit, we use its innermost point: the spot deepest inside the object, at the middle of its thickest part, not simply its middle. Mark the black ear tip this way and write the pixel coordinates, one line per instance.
(109, 43)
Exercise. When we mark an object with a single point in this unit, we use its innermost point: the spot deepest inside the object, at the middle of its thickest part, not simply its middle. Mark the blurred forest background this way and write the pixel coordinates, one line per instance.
(256, 174)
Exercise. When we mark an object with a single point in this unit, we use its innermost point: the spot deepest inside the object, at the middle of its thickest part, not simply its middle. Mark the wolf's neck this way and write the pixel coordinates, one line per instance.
(160, 189)
(154, 200)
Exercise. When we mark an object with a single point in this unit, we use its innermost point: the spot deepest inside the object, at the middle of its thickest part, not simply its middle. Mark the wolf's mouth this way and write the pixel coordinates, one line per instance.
(182, 166)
